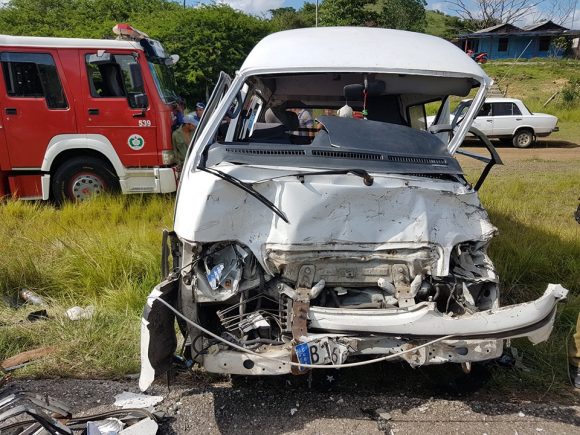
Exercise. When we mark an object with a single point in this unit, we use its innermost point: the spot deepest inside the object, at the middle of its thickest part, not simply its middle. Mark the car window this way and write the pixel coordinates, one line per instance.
(33, 75)
(118, 78)
(485, 110)
(505, 109)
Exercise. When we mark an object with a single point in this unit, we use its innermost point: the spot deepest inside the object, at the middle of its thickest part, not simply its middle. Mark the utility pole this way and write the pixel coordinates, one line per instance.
(316, 13)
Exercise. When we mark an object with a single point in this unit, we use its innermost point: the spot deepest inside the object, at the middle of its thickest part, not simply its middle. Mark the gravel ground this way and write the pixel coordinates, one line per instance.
(358, 401)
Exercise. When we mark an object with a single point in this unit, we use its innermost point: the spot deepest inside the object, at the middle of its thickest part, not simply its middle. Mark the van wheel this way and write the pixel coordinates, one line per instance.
(523, 138)
(81, 178)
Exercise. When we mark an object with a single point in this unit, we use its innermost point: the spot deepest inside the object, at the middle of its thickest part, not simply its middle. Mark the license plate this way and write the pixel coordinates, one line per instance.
(321, 352)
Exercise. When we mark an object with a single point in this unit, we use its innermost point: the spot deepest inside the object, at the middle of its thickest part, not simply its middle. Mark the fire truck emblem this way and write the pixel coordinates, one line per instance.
(136, 142)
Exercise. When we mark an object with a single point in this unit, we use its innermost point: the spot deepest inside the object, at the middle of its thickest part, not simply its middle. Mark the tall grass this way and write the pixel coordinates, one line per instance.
(104, 252)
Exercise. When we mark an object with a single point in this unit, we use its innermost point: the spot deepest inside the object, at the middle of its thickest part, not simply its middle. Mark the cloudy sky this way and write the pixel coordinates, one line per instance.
(261, 7)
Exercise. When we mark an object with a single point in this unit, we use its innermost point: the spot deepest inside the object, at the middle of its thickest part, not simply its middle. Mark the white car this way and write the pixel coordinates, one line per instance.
(343, 243)
(509, 120)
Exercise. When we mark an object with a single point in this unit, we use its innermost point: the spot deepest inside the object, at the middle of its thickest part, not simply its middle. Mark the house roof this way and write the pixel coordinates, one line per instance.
(503, 28)
(542, 28)
(544, 25)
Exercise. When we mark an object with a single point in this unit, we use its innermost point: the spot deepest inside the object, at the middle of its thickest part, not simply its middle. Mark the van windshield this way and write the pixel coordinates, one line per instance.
(164, 81)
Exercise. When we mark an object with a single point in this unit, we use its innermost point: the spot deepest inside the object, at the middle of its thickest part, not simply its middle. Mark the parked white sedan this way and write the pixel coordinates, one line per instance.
(508, 119)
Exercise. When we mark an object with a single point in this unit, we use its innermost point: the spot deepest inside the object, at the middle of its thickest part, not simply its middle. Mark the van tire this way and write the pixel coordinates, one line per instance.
(523, 138)
(80, 178)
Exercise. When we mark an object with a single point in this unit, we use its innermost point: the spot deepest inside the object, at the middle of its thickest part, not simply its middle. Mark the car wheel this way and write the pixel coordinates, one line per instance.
(523, 138)
(81, 178)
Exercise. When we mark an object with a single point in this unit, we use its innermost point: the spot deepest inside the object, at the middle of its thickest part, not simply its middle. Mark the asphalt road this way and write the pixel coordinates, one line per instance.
(386, 398)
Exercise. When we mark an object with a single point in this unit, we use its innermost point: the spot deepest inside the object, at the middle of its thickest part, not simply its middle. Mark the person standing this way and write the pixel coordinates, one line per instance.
(199, 108)
(181, 138)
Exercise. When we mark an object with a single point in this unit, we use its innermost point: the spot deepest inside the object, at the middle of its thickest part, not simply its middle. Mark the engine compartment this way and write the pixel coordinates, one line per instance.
(251, 305)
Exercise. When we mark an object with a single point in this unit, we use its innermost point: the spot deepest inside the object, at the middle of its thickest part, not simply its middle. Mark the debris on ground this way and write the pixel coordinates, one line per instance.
(78, 313)
(107, 426)
(147, 426)
(127, 400)
(30, 297)
(37, 315)
(383, 414)
(24, 358)
(27, 413)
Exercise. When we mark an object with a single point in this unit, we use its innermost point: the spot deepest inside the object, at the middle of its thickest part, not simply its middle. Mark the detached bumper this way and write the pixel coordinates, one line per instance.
(423, 320)
(476, 337)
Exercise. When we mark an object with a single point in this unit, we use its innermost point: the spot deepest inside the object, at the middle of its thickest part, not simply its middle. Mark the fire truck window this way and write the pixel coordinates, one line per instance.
(119, 78)
(33, 75)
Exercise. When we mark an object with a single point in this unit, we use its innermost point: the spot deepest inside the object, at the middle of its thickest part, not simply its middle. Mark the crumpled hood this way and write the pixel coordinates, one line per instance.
(328, 210)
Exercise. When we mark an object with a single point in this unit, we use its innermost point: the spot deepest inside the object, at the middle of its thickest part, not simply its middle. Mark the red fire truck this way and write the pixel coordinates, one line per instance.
(82, 116)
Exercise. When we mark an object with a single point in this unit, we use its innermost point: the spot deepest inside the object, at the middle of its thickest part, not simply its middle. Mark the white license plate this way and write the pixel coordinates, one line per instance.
(321, 352)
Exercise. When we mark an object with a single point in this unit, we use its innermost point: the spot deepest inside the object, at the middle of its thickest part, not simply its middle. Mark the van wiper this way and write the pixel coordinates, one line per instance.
(367, 178)
(246, 188)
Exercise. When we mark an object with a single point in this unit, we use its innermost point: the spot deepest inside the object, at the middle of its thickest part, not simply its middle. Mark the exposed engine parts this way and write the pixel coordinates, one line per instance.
(253, 307)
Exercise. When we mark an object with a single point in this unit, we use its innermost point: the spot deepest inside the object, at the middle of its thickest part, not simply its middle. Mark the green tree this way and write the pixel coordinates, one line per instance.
(290, 18)
(208, 39)
(70, 18)
(394, 14)
(347, 13)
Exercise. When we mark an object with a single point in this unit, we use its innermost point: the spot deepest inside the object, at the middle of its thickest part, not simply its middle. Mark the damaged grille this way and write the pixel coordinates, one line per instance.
(347, 155)
(418, 160)
(262, 152)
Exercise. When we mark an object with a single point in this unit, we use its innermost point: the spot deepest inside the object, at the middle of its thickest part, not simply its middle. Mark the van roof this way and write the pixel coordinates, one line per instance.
(35, 41)
(360, 49)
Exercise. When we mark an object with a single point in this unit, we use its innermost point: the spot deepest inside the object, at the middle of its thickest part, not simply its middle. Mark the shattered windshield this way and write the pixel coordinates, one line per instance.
(164, 81)
(343, 143)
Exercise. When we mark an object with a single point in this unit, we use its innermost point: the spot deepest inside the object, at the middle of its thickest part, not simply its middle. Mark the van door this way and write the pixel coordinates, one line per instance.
(35, 107)
(115, 105)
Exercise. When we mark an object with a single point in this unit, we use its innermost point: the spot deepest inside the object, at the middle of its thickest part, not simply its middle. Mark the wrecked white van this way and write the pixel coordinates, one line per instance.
(340, 242)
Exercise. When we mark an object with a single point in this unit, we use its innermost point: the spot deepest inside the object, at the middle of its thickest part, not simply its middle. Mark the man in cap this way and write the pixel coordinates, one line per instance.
(199, 108)
(182, 137)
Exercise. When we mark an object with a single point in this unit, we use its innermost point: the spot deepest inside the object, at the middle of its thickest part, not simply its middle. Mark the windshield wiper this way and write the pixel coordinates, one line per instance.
(246, 188)
(368, 179)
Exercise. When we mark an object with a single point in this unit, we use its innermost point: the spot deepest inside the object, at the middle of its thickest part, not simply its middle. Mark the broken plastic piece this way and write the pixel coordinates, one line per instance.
(30, 297)
(147, 426)
(110, 426)
(131, 400)
(78, 313)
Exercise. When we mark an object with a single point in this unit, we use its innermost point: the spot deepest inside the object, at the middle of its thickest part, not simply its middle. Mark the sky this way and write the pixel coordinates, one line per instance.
(261, 7)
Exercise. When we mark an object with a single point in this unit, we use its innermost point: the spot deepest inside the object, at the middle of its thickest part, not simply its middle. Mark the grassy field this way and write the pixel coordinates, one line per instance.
(106, 253)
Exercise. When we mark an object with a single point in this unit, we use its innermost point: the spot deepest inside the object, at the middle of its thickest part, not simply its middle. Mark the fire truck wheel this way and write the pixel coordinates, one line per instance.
(81, 178)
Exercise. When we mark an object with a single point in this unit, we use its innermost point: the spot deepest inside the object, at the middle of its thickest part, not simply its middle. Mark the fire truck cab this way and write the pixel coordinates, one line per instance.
(82, 116)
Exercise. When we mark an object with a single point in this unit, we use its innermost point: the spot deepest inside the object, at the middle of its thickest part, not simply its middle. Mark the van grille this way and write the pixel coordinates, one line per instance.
(347, 155)
(257, 152)
(419, 160)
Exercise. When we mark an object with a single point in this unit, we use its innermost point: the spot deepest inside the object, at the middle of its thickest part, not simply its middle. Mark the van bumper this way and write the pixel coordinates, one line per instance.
(149, 180)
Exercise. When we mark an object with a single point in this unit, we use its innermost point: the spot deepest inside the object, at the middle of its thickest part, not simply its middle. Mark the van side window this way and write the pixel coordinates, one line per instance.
(117, 77)
(33, 75)
(417, 117)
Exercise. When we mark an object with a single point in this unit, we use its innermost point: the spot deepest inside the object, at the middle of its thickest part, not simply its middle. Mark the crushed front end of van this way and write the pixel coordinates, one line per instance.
(353, 239)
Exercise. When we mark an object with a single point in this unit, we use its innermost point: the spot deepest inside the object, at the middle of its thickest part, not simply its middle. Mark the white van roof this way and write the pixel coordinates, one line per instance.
(360, 49)
(43, 42)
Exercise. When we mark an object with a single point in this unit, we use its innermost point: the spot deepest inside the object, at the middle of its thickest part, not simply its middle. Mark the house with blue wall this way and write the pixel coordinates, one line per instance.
(506, 41)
